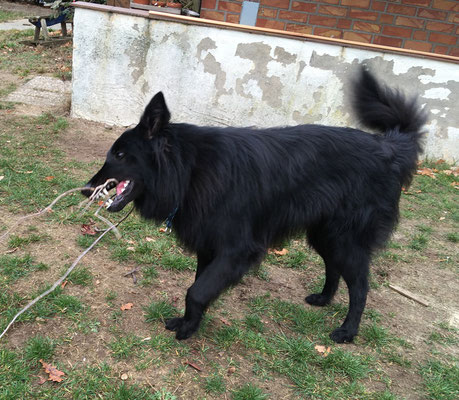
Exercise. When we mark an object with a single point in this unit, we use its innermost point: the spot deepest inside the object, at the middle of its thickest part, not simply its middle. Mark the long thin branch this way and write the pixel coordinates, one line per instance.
(69, 270)
(46, 209)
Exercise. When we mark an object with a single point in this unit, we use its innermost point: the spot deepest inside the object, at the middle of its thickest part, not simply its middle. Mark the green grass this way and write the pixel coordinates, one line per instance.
(124, 346)
(159, 311)
(21, 59)
(248, 392)
(7, 15)
(441, 380)
(13, 267)
(39, 347)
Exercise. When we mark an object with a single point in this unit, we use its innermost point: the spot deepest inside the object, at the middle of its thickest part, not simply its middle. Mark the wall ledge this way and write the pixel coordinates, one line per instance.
(266, 31)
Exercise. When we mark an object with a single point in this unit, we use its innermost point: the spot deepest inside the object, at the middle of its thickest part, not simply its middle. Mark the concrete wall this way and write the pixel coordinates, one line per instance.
(215, 76)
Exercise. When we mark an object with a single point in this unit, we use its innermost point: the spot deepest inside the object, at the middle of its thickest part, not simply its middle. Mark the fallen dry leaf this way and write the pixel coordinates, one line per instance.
(87, 229)
(282, 252)
(49, 178)
(64, 284)
(192, 365)
(54, 374)
(124, 377)
(231, 370)
(149, 239)
(427, 172)
(126, 306)
(324, 351)
(226, 322)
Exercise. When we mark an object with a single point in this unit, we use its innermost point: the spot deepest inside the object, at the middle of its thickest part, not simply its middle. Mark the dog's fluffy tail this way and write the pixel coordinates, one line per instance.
(399, 118)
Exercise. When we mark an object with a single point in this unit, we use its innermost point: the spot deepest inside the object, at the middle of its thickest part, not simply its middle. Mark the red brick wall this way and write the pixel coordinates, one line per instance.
(425, 25)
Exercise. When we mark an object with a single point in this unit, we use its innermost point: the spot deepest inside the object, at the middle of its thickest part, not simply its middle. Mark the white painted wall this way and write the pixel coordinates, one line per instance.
(214, 76)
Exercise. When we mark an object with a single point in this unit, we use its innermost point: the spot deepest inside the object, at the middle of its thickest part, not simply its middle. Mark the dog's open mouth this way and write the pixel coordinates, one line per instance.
(124, 195)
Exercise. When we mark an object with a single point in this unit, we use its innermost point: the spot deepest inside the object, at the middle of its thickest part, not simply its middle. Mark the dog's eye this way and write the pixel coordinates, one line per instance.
(119, 155)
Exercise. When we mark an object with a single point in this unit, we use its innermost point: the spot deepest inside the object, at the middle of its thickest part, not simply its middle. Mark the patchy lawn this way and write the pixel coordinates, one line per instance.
(258, 341)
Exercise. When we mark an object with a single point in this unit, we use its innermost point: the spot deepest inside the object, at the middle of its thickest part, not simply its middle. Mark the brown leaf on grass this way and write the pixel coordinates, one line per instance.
(87, 229)
(64, 284)
(49, 178)
(427, 172)
(455, 185)
(192, 365)
(54, 374)
(324, 351)
(224, 321)
(149, 239)
(126, 306)
(282, 252)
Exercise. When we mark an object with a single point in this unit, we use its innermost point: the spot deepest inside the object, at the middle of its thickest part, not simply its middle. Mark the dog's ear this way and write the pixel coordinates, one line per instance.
(155, 117)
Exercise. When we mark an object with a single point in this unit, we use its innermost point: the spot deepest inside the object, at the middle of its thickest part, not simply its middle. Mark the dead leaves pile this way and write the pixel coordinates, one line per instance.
(433, 172)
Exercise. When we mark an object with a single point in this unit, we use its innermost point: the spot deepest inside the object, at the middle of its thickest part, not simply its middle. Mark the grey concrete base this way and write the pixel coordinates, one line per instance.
(42, 93)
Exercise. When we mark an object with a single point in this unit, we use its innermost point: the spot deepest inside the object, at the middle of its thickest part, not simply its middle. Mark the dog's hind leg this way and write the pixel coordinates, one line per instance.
(354, 270)
(211, 280)
(318, 240)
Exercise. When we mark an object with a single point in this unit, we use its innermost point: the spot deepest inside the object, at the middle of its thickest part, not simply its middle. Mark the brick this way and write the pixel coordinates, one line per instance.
(268, 12)
(440, 27)
(420, 35)
(275, 3)
(332, 10)
(397, 31)
(420, 46)
(367, 15)
(379, 5)
(299, 28)
(454, 18)
(344, 23)
(233, 18)
(411, 22)
(214, 15)
(441, 50)
(306, 7)
(293, 16)
(432, 14)
(448, 5)
(231, 7)
(403, 10)
(271, 24)
(386, 19)
(366, 27)
(209, 4)
(322, 21)
(334, 33)
(356, 3)
(441, 38)
(388, 41)
(424, 3)
(330, 1)
(454, 52)
(357, 37)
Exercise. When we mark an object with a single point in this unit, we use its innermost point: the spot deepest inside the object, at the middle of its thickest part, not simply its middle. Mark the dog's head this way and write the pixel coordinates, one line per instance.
(127, 159)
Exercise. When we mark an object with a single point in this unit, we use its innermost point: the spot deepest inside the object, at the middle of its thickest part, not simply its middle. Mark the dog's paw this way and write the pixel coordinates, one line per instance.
(183, 328)
(174, 324)
(342, 335)
(317, 299)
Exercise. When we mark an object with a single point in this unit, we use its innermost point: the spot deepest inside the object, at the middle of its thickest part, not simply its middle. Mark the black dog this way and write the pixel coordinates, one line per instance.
(231, 193)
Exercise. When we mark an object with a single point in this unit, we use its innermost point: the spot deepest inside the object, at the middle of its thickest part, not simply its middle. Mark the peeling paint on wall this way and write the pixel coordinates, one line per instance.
(213, 76)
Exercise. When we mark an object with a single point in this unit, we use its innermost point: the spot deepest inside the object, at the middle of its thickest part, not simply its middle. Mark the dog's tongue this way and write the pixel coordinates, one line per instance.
(120, 187)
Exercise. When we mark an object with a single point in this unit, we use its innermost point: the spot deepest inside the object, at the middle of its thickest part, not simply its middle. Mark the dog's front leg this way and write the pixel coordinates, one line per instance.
(221, 273)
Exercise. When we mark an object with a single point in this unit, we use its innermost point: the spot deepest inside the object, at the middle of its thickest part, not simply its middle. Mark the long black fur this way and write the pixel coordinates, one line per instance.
(239, 191)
